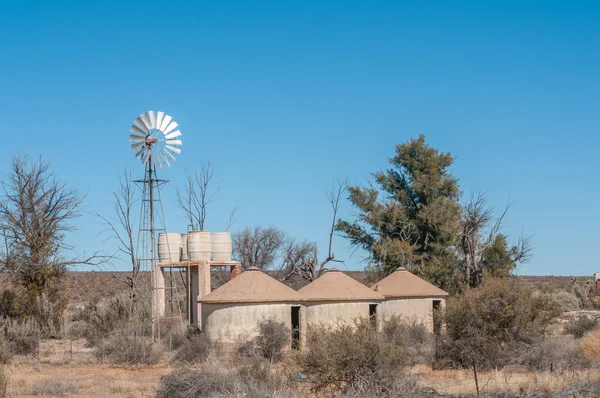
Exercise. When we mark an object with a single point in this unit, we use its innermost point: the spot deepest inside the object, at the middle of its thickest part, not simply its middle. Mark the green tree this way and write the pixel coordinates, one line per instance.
(411, 218)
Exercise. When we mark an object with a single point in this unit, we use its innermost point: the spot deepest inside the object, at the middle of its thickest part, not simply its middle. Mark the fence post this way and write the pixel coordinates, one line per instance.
(71, 341)
(103, 351)
(38, 346)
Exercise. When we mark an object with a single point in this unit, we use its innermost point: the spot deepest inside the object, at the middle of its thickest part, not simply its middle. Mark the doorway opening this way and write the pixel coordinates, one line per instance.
(295, 327)
(373, 314)
(437, 319)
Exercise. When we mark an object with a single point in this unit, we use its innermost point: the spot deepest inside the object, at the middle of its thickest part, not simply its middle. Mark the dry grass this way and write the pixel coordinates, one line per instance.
(81, 381)
(459, 382)
(590, 345)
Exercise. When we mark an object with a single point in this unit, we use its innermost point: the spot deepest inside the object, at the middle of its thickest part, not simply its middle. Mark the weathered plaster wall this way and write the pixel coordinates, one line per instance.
(228, 322)
(334, 313)
(418, 309)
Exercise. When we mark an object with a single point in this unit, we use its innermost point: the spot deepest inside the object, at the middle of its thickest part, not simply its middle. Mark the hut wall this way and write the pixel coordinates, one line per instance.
(230, 322)
(413, 309)
(334, 313)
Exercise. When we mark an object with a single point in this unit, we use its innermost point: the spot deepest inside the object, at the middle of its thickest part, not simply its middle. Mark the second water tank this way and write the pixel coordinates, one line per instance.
(221, 246)
(199, 245)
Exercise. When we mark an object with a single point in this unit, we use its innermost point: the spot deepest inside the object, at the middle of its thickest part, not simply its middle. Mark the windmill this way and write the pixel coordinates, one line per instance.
(155, 140)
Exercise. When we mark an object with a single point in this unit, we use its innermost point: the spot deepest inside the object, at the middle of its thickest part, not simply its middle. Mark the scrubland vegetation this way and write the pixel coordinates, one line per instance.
(499, 339)
(515, 341)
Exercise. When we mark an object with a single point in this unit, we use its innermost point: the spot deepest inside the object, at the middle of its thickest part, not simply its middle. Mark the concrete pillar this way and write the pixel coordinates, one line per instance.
(160, 290)
(193, 294)
(203, 288)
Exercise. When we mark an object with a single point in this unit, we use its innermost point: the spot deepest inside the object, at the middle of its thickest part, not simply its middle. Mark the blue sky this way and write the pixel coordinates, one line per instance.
(285, 97)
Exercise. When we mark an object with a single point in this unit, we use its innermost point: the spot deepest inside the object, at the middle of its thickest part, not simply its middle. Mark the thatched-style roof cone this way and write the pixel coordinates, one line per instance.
(402, 283)
(252, 286)
(334, 285)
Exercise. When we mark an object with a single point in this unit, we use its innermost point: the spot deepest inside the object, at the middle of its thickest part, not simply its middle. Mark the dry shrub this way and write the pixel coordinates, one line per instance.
(20, 338)
(413, 336)
(55, 386)
(215, 381)
(590, 345)
(495, 324)
(3, 382)
(97, 320)
(347, 356)
(195, 383)
(273, 337)
(579, 326)
(124, 349)
(567, 301)
(195, 349)
(557, 353)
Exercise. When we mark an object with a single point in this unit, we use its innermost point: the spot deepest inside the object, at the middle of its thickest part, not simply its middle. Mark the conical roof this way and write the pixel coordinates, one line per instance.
(337, 286)
(403, 283)
(252, 286)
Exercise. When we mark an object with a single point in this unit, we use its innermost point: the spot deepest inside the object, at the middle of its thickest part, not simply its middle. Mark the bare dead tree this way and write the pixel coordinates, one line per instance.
(302, 258)
(258, 247)
(480, 229)
(231, 217)
(36, 212)
(199, 191)
(120, 227)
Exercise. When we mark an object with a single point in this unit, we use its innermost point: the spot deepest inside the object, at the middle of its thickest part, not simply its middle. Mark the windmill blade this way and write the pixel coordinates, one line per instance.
(141, 151)
(159, 118)
(167, 119)
(173, 134)
(136, 138)
(169, 154)
(152, 116)
(172, 126)
(136, 130)
(141, 125)
(137, 145)
(173, 142)
(164, 158)
(145, 159)
(157, 160)
(176, 150)
(146, 120)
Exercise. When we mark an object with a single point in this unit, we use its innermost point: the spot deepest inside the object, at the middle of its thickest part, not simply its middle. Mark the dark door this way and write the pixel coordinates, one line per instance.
(295, 327)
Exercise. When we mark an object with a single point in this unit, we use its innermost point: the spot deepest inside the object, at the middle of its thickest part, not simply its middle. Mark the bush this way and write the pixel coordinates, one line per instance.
(3, 382)
(558, 353)
(579, 326)
(590, 345)
(413, 337)
(212, 381)
(21, 338)
(345, 357)
(493, 325)
(565, 300)
(195, 349)
(123, 349)
(55, 386)
(195, 383)
(273, 337)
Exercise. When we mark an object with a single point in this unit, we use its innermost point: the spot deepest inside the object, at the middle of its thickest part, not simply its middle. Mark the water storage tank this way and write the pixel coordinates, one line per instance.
(169, 246)
(199, 245)
(221, 246)
(184, 255)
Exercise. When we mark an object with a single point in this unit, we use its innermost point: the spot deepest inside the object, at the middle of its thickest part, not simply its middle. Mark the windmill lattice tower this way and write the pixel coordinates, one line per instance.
(154, 137)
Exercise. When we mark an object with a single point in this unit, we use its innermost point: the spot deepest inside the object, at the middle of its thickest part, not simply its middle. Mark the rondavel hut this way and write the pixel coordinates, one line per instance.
(234, 310)
(410, 297)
